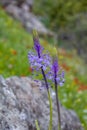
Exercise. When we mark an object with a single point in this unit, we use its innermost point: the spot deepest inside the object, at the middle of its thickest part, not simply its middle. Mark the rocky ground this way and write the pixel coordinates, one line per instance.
(21, 102)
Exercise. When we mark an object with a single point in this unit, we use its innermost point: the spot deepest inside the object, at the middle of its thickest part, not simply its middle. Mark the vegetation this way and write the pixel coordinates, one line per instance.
(14, 46)
(68, 18)
(59, 13)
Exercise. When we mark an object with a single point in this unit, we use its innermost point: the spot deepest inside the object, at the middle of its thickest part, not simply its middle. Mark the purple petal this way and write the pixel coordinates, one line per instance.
(61, 84)
(37, 46)
(55, 66)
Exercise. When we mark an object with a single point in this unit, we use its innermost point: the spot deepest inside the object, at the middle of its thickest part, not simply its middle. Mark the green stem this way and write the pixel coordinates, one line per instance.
(51, 109)
(58, 109)
(37, 126)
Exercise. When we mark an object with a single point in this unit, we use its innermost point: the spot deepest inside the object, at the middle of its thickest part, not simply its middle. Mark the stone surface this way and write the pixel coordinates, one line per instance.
(22, 11)
(5, 2)
(21, 102)
(28, 20)
(17, 2)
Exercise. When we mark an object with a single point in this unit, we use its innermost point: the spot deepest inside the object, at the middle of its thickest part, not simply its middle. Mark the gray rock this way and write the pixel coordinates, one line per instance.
(22, 102)
(28, 20)
(6, 2)
(30, 2)
(17, 2)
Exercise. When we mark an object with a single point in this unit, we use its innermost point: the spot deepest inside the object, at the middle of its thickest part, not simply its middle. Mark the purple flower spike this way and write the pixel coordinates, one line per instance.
(55, 67)
(38, 59)
(38, 48)
(55, 74)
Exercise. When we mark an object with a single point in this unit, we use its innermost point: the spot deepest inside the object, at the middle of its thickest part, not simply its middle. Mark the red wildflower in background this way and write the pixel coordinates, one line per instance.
(14, 52)
(67, 68)
(76, 80)
(82, 87)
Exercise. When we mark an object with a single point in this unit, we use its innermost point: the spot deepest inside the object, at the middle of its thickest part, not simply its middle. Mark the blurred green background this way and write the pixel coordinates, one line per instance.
(68, 20)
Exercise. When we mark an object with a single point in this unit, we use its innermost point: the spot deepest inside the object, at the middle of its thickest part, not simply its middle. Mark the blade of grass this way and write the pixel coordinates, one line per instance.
(51, 109)
(37, 126)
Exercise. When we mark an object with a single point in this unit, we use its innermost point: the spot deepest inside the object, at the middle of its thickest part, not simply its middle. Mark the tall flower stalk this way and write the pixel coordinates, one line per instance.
(55, 69)
(41, 61)
(57, 77)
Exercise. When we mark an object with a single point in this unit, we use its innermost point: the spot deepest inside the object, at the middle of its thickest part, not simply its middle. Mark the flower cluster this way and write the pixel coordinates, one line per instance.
(38, 58)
